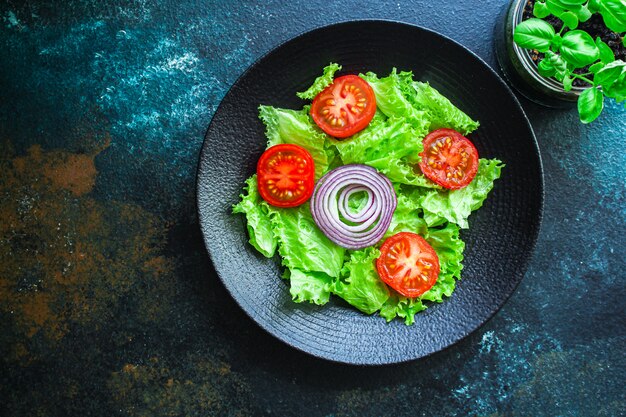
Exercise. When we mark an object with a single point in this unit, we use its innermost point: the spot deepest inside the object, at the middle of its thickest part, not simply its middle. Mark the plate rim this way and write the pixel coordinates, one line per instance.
(541, 194)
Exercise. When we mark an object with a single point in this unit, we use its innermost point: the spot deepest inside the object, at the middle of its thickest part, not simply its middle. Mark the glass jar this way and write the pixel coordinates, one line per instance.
(520, 70)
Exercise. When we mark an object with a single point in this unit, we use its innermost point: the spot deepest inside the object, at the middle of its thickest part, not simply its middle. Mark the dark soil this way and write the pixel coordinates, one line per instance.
(594, 27)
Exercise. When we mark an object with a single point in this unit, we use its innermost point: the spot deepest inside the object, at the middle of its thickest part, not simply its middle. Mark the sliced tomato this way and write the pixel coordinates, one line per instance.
(286, 175)
(449, 159)
(408, 264)
(345, 107)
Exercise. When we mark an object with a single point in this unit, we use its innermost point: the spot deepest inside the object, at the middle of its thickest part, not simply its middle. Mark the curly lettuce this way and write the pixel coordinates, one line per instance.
(449, 248)
(258, 223)
(320, 82)
(296, 127)
(391, 100)
(302, 245)
(455, 206)
(360, 285)
(441, 112)
(392, 147)
(309, 286)
(397, 95)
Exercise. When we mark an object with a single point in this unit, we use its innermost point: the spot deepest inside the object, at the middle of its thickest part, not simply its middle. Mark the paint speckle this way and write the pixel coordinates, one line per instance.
(488, 342)
(575, 381)
(503, 360)
(11, 20)
(186, 62)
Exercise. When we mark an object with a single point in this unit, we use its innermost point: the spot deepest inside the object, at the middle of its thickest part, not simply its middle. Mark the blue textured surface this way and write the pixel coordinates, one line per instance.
(106, 305)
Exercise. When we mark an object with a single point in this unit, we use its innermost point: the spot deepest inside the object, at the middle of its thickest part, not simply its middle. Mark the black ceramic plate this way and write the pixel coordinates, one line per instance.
(502, 233)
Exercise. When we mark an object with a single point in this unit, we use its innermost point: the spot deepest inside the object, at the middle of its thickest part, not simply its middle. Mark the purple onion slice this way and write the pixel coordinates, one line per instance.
(342, 225)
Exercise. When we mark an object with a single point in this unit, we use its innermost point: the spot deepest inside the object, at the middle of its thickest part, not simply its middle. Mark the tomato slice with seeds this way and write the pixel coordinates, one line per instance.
(449, 159)
(345, 107)
(408, 264)
(286, 175)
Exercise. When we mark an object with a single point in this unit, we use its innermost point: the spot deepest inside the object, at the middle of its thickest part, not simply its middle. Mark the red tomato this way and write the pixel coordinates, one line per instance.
(344, 107)
(449, 159)
(408, 264)
(285, 175)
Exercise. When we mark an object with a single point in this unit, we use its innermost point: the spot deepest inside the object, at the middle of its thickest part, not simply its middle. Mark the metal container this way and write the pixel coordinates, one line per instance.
(520, 70)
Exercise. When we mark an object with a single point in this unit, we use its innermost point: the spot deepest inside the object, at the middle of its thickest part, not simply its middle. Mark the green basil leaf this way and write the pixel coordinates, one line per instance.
(546, 68)
(606, 53)
(614, 14)
(583, 13)
(609, 74)
(534, 34)
(590, 104)
(555, 7)
(540, 10)
(571, 3)
(618, 89)
(557, 62)
(593, 5)
(567, 83)
(569, 19)
(578, 48)
(556, 42)
(596, 67)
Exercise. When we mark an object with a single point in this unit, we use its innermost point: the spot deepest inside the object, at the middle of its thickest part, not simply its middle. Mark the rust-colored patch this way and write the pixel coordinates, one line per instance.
(37, 310)
(194, 385)
(358, 402)
(67, 259)
(224, 369)
(19, 353)
(568, 380)
(129, 368)
(76, 173)
(159, 265)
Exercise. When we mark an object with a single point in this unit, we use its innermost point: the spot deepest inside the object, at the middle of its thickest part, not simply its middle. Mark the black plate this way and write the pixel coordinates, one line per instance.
(499, 242)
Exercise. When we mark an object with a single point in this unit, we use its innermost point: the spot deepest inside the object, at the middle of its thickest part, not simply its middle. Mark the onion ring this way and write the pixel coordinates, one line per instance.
(332, 214)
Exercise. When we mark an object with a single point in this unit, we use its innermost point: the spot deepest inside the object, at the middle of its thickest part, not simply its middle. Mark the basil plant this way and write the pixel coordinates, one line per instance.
(566, 51)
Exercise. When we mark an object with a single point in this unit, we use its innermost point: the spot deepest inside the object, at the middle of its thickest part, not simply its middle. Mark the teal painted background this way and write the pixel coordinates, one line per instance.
(109, 304)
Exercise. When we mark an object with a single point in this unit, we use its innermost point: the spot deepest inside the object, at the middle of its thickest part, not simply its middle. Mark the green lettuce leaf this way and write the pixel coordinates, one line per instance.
(440, 111)
(449, 247)
(456, 205)
(379, 117)
(399, 306)
(360, 285)
(313, 287)
(397, 95)
(258, 220)
(393, 135)
(302, 244)
(391, 146)
(320, 82)
(391, 101)
(297, 127)
(407, 216)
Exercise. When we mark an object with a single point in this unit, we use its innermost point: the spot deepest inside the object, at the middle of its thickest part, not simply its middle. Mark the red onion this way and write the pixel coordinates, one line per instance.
(329, 205)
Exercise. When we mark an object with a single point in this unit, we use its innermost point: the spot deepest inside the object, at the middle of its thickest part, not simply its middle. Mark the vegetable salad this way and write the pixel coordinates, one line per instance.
(316, 267)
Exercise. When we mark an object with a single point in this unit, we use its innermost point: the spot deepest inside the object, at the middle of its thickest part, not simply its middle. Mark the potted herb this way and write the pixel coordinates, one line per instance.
(560, 52)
